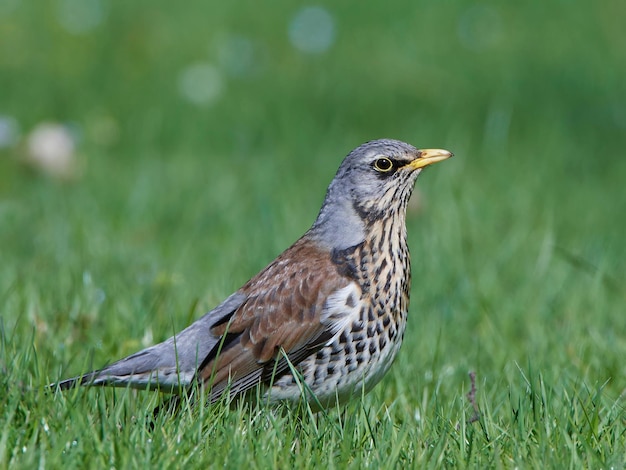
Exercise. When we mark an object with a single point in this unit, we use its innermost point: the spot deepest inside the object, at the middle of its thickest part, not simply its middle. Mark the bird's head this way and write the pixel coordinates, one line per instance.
(374, 182)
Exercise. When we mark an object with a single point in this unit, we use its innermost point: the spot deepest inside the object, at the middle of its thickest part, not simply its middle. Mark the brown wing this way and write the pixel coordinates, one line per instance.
(282, 309)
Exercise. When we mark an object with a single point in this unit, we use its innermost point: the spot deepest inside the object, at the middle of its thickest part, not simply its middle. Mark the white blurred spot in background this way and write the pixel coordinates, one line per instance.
(479, 27)
(51, 149)
(9, 131)
(200, 83)
(237, 55)
(312, 30)
(80, 16)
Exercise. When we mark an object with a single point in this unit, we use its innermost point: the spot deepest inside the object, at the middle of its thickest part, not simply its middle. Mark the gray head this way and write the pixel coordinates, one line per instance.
(374, 182)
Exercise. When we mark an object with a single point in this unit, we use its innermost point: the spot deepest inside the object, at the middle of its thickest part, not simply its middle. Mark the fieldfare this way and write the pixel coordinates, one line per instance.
(329, 312)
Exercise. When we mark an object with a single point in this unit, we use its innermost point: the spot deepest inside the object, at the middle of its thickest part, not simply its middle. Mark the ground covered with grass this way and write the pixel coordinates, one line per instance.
(200, 140)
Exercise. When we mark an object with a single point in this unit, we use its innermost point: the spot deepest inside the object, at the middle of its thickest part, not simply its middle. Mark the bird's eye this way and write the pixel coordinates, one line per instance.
(383, 165)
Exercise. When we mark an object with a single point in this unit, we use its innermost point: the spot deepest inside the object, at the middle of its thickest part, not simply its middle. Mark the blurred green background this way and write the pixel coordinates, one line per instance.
(156, 155)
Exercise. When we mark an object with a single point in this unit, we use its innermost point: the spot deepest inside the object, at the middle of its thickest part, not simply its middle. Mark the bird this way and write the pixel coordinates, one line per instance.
(327, 316)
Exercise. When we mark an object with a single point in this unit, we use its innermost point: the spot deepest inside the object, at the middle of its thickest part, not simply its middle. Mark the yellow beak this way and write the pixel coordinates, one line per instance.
(428, 157)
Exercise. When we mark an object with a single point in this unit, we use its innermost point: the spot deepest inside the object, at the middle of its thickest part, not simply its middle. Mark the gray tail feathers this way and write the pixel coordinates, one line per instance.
(167, 366)
(68, 384)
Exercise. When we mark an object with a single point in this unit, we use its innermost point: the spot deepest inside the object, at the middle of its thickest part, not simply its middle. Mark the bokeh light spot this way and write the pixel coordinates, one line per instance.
(51, 148)
(237, 55)
(80, 16)
(312, 30)
(8, 6)
(200, 83)
(9, 131)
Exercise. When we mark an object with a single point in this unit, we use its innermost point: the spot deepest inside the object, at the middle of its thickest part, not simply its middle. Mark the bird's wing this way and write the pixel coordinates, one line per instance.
(297, 304)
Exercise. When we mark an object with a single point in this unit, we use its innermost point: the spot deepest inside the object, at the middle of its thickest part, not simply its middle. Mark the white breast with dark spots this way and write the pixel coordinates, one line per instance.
(368, 319)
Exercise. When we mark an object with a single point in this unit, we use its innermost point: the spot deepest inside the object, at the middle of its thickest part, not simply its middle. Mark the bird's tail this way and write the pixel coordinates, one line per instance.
(67, 384)
(158, 367)
(167, 366)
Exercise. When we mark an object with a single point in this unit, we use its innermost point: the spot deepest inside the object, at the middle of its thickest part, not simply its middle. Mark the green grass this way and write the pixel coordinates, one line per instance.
(518, 244)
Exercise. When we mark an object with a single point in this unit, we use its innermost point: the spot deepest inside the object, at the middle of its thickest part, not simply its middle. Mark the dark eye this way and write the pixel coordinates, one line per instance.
(383, 165)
